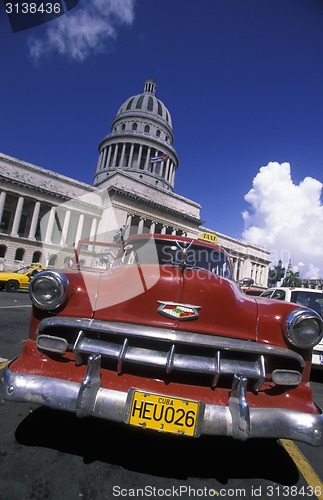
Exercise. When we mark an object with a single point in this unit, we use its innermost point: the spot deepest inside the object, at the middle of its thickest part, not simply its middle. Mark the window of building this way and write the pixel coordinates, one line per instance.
(158, 133)
(4, 226)
(147, 129)
(139, 102)
(134, 126)
(52, 260)
(3, 250)
(130, 103)
(19, 255)
(22, 225)
(36, 257)
(123, 126)
(150, 105)
(160, 110)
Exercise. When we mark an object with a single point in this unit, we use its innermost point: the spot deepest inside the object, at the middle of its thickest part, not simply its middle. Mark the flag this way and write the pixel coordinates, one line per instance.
(155, 159)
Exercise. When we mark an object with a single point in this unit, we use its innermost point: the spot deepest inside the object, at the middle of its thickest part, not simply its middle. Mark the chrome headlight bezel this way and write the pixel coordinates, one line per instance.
(294, 330)
(57, 290)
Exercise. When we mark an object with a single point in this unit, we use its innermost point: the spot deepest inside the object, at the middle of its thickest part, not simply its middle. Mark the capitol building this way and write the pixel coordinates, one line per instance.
(44, 214)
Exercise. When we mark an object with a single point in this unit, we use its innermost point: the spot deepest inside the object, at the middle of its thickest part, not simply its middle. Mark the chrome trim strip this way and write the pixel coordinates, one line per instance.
(77, 356)
(170, 359)
(217, 369)
(262, 369)
(110, 405)
(122, 355)
(174, 336)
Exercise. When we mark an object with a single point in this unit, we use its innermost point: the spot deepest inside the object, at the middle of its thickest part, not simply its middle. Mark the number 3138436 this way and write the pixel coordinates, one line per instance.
(33, 8)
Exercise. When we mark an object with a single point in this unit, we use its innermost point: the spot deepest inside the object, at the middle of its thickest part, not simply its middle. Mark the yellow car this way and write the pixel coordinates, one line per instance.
(11, 282)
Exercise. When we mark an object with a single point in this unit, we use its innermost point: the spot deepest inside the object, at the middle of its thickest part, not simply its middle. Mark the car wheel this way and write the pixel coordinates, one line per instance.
(12, 286)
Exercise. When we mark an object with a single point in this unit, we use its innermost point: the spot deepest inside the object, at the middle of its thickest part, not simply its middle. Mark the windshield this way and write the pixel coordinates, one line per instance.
(170, 252)
(307, 298)
(24, 270)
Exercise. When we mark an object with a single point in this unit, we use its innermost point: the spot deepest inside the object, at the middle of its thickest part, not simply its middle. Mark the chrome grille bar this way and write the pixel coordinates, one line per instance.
(172, 351)
(170, 360)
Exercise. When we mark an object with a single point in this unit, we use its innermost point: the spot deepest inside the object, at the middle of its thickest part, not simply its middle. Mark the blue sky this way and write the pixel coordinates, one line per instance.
(242, 79)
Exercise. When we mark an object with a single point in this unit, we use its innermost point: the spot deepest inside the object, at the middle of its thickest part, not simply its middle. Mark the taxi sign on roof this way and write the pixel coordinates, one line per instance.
(212, 238)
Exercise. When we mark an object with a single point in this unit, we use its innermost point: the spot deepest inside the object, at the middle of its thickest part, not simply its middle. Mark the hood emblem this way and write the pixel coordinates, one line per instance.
(182, 312)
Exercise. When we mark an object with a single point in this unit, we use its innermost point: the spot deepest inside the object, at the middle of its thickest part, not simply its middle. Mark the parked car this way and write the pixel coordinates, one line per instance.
(11, 282)
(307, 297)
(159, 336)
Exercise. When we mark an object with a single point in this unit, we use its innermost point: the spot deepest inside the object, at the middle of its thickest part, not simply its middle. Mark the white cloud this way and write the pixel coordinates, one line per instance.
(90, 27)
(287, 218)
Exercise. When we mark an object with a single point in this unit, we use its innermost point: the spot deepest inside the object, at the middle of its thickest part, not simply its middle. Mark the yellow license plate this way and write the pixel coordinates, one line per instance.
(163, 413)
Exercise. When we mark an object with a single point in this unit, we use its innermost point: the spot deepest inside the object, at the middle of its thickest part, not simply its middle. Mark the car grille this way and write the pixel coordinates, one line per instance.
(195, 358)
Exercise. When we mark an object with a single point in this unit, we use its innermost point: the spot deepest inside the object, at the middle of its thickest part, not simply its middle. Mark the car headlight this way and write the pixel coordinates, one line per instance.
(304, 328)
(49, 289)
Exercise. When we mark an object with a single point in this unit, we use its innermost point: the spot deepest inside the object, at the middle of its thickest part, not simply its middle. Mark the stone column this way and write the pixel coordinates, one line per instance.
(131, 155)
(34, 221)
(172, 180)
(66, 224)
(78, 236)
(99, 165)
(17, 218)
(2, 203)
(114, 161)
(93, 229)
(109, 157)
(128, 224)
(167, 169)
(152, 228)
(50, 226)
(122, 155)
(147, 159)
(139, 156)
(141, 226)
(104, 159)
(163, 231)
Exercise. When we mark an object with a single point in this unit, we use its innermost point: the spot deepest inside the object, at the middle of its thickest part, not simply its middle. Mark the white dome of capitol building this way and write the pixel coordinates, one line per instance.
(140, 142)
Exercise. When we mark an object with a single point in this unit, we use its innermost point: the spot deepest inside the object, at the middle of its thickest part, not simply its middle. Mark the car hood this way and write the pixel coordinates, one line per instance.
(134, 294)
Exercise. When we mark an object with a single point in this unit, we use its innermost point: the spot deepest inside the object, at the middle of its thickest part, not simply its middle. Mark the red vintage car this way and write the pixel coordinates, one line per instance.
(156, 334)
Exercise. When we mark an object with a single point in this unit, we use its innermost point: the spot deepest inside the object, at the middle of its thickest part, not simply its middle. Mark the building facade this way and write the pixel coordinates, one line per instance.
(44, 214)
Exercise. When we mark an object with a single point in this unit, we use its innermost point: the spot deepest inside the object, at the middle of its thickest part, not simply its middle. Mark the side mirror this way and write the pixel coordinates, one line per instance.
(104, 259)
(247, 282)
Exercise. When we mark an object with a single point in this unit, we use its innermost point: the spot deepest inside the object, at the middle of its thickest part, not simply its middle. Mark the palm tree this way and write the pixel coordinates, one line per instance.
(291, 279)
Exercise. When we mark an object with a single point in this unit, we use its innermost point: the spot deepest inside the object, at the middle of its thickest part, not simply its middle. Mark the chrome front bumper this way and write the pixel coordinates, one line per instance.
(89, 399)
